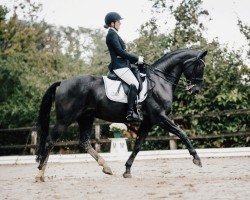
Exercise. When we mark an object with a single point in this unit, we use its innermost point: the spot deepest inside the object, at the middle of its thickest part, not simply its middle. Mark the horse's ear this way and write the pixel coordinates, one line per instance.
(202, 54)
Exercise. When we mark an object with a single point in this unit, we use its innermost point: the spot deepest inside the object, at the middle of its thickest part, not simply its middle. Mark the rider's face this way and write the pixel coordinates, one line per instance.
(117, 25)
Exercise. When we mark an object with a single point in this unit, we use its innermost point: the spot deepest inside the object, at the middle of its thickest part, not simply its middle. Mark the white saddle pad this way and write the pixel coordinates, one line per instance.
(111, 89)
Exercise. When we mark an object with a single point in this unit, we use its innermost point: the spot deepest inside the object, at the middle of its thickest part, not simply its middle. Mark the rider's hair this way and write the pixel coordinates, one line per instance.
(106, 26)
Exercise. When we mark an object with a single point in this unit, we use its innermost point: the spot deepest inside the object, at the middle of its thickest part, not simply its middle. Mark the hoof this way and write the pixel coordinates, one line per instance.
(197, 162)
(127, 175)
(39, 179)
(107, 170)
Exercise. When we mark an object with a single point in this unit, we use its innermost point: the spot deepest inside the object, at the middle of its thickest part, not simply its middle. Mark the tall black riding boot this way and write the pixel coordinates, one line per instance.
(132, 97)
(136, 72)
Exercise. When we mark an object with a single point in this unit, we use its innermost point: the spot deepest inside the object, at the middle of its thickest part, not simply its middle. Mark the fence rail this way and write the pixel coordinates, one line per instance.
(150, 138)
(98, 140)
(174, 117)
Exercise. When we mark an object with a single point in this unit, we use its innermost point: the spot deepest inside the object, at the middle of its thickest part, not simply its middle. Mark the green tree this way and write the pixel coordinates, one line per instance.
(245, 30)
(151, 44)
(32, 56)
(100, 58)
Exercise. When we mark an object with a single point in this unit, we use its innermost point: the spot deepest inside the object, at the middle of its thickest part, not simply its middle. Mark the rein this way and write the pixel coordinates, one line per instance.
(188, 86)
(165, 79)
(150, 90)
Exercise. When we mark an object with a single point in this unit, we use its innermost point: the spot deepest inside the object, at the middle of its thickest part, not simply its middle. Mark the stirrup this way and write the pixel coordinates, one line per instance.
(139, 112)
(132, 116)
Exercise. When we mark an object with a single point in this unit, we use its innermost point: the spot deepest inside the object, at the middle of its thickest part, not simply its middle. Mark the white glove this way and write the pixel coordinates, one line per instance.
(140, 60)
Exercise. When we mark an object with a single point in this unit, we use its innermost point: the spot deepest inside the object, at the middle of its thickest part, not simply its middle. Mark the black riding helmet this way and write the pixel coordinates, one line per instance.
(111, 17)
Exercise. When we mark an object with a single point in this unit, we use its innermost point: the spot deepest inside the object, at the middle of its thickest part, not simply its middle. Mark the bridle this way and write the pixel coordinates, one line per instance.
(193, 79)
(192, 61)
(188, 86)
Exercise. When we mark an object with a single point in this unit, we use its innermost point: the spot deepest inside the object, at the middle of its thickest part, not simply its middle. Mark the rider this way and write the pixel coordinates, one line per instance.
(121, 60)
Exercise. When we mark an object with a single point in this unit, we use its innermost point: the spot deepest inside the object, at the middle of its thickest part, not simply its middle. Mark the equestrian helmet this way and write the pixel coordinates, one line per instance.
(112, 17)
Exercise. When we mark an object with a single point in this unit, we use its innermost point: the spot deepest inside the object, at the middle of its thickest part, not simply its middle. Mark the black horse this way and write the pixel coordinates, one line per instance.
(81, 99)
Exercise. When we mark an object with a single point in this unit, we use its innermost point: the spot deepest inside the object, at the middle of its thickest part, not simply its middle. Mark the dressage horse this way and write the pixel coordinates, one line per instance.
(82, 99)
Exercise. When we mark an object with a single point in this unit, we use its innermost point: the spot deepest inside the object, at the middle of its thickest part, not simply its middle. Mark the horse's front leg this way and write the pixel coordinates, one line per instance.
(168, 125)
(141, 135)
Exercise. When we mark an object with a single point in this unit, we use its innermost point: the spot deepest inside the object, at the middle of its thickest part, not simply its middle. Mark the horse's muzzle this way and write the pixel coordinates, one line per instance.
(196, 89)
(193, 89)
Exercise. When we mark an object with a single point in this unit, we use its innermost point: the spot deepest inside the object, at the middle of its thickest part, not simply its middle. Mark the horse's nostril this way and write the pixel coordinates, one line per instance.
(196, 91)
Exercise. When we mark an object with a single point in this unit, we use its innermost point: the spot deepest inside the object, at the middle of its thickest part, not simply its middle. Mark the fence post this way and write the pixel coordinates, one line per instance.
(97, 136)
(33, 141)
(172, 143)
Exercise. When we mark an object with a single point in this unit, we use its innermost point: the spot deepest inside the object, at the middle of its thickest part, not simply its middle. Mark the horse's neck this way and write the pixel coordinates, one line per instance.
(171, 72)
(171, 65)
(174, 71)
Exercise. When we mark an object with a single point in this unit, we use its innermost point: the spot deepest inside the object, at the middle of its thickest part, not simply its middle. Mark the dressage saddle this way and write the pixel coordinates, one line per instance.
(139, 76)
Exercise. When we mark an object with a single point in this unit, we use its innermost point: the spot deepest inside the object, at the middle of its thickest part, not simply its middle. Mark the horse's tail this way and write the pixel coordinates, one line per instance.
(44, 118)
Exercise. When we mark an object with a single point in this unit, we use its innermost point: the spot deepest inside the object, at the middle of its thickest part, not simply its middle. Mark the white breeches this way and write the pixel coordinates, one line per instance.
(127, 76)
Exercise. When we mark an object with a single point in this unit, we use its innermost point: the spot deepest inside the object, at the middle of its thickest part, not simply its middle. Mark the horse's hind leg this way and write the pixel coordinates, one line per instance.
(85, 126)
(56, 132)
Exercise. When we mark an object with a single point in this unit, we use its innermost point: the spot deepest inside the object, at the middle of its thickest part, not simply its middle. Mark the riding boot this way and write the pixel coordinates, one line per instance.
(136, 72)
(132, 96)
